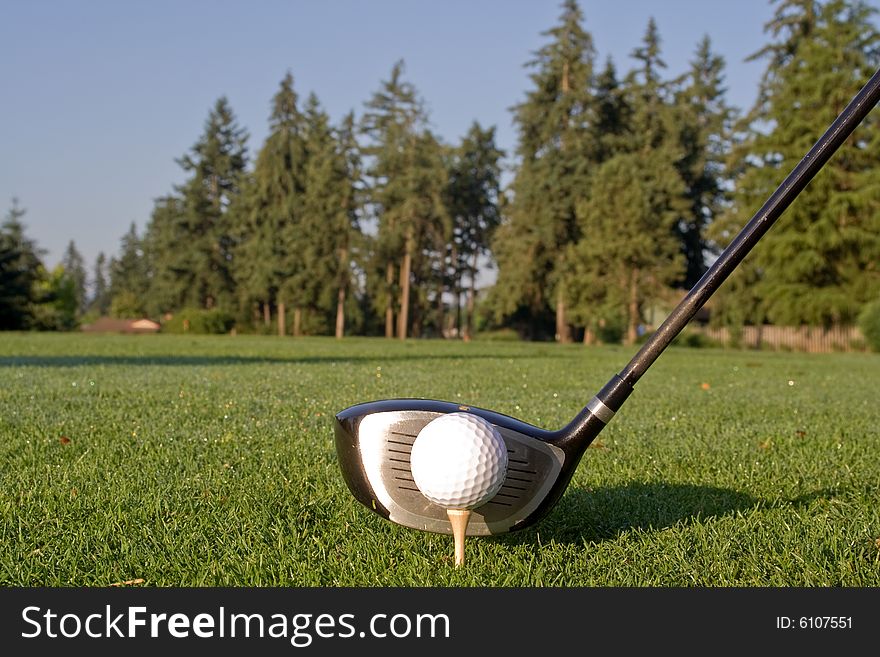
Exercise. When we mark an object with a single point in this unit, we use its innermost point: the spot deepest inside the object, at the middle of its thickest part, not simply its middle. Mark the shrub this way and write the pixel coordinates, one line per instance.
(196, 320)
(736, 336)
(689, 338)
(126, 305)
(612, 331)
(869, 322)
(498, 335)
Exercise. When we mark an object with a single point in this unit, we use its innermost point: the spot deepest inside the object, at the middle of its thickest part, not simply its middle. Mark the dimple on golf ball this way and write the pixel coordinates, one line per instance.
(459, 461)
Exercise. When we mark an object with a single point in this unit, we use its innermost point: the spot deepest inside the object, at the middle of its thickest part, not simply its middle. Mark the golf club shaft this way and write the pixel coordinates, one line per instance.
(758, 225)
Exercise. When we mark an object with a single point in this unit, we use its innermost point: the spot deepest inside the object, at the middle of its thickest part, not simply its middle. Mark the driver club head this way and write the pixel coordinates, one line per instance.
(374, 441)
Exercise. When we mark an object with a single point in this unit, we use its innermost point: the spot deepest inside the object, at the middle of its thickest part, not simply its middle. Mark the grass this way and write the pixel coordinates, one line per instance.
(203, 461)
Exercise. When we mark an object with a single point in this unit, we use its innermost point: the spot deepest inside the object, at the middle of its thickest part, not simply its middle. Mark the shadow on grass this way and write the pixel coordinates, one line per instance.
(595, 515)
(198, 360)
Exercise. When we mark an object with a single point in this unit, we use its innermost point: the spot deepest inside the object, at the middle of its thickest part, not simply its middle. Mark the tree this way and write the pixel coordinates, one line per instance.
(349, 239)
(651, 119)
(74, 269)
(100, 301)
(192, 227)
(428, 232)
(166, 247)
(631, 254)
(407, 180)
(596, 304)
(818, 265)
(54, 306)
(556, 152)
(474, 194)
(613, 114)
(20, 272)
(329, 217)
(704, 126)
(628, 255)
(267, 257)
(129, 277)
(126, 305)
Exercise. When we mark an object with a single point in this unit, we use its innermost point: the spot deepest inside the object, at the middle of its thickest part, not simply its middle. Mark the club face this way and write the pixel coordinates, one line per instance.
(374, 440)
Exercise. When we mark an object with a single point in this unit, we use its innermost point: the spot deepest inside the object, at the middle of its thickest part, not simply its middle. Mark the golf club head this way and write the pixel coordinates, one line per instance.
(374, 440)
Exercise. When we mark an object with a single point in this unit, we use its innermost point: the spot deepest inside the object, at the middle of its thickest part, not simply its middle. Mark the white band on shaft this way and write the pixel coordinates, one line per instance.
(600, 410)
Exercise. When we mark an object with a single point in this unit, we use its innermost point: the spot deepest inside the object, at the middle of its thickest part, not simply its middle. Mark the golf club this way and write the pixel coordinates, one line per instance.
(374, 439)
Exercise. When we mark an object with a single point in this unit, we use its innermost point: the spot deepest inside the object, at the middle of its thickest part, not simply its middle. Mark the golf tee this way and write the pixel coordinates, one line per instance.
(459, 519)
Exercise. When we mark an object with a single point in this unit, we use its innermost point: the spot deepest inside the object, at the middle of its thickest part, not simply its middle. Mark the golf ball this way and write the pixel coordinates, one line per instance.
(459, 461)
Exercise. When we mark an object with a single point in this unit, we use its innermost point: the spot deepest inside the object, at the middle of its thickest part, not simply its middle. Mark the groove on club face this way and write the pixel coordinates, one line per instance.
(374, 441)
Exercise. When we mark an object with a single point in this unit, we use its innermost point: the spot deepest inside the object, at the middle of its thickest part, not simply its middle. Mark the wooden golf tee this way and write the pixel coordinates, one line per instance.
(459, 519)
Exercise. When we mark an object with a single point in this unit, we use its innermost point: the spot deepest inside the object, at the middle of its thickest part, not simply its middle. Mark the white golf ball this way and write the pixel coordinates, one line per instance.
(459, 461)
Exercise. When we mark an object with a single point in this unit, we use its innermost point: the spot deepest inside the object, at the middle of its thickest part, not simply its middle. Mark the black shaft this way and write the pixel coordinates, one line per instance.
(760, 223)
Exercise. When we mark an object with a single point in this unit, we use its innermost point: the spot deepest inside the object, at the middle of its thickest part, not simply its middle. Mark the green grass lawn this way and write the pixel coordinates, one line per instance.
(202, 461)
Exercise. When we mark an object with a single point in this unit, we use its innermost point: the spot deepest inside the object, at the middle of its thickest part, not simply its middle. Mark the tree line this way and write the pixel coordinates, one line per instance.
(622, 188)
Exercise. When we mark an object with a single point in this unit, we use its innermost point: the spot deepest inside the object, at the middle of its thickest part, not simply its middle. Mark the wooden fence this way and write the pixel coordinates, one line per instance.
(789, 338)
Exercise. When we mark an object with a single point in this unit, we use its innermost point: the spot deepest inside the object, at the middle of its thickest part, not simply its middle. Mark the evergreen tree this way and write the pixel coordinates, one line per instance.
(54, 306)
(407, 180)
(629, 252)
(704, 133)
(129, 279)
(268, 257)
(613, 114)
(652, 119)
(100, 300)
(196, 267)
(474, 194)
(793, 22)
(171, 271)
(21, 270)
(557, 149)
(312, 283)
(349, 239)
(429, 225)
(329, 219)
(74, 269)
(818, 265)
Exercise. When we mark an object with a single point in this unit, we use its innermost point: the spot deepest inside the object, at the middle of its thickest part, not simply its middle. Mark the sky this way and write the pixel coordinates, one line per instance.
(99, 97)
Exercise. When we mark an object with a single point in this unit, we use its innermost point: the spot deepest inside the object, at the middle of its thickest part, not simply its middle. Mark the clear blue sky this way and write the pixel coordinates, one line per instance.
(100, 96)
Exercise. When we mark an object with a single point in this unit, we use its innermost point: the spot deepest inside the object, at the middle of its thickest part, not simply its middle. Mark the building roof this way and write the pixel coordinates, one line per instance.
(112, 325)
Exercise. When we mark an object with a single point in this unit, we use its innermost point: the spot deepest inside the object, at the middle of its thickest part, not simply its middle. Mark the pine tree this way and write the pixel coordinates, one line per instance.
(54, 306)
(793, 22)
(171, 269)
(200, 241)
(704, 126)
(329, 219)
(346, 225)
(312, 285)
(75, 270)
(652, 119)
(129, 281)
(392, 113)
(21, 270)
(268, 256)
(100, 299)
(629, 252)
(613, 114)
(818, 265)
(407, 181)
(474, 196)
(556, 151)
(429, 225)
